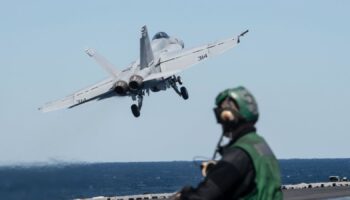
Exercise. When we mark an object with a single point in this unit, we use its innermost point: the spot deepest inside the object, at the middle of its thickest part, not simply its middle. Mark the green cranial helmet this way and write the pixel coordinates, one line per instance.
(248, 108)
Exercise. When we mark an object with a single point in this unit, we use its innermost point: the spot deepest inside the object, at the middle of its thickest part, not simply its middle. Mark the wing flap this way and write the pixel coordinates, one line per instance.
(58, 104)
(81, 96)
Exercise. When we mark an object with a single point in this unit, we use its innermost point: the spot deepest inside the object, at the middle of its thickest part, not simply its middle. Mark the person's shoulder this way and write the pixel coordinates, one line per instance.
(235, 155)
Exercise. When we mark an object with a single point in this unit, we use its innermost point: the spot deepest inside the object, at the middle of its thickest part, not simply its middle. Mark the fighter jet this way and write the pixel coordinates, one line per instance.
(156, 70)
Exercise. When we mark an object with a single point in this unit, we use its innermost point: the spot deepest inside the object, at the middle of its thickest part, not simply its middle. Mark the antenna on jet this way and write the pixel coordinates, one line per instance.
(242, 34)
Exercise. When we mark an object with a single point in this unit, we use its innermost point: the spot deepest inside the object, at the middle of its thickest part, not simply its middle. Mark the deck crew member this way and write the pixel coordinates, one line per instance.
(248, 168)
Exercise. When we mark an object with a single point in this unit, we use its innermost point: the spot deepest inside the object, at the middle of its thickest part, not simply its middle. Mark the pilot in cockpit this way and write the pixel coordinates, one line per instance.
(160, 35)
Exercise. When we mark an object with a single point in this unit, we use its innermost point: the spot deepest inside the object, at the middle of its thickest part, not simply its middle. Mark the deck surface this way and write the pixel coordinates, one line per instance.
(317, 193)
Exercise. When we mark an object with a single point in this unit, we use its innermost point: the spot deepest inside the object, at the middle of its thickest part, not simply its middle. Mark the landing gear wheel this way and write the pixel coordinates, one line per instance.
(184, 93)
(135, 110)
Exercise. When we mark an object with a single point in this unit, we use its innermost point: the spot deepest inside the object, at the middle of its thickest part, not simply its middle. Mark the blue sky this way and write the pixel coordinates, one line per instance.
(295, 60)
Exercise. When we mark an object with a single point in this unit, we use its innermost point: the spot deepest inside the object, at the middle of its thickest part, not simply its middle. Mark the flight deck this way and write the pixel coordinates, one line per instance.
(302, 191)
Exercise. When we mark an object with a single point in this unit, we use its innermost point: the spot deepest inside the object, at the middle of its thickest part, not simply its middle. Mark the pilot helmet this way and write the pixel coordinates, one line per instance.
(245, 108)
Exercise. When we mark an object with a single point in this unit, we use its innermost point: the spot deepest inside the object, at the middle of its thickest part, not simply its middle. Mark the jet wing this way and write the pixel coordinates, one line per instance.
(81, 96)
(175, 62)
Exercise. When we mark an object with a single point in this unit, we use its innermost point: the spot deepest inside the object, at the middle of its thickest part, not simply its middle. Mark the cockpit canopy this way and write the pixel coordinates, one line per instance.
(160, 35)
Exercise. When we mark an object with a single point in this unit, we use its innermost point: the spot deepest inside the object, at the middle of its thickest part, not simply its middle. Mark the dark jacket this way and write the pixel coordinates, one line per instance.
(225, 180)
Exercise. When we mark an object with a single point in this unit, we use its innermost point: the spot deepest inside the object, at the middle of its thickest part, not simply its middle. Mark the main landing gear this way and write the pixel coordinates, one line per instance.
(183, 91)
(135, 109)
(138, 95)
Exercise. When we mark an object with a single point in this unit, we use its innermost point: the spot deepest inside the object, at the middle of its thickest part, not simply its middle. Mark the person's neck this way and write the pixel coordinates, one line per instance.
(240, 131)
(237, 133)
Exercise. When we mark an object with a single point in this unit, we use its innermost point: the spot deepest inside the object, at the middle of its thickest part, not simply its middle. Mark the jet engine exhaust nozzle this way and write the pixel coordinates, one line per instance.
(121, 87)
(135, 82)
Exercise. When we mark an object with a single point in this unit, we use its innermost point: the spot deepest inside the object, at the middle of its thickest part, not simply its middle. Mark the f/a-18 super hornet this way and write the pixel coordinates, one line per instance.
(160, 61)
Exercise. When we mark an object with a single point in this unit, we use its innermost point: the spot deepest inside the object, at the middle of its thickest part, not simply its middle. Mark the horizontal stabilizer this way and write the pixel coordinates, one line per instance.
(103, 62)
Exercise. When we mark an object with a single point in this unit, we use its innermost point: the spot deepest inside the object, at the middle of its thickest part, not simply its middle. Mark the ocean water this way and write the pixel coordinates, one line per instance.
(69, 181)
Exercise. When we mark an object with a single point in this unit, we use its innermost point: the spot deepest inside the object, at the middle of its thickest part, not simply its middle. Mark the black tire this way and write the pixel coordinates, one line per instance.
(184, 93)
(135, 110)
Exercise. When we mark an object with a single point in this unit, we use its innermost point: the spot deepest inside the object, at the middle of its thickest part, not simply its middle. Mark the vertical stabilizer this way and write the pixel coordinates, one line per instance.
(146, 54)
